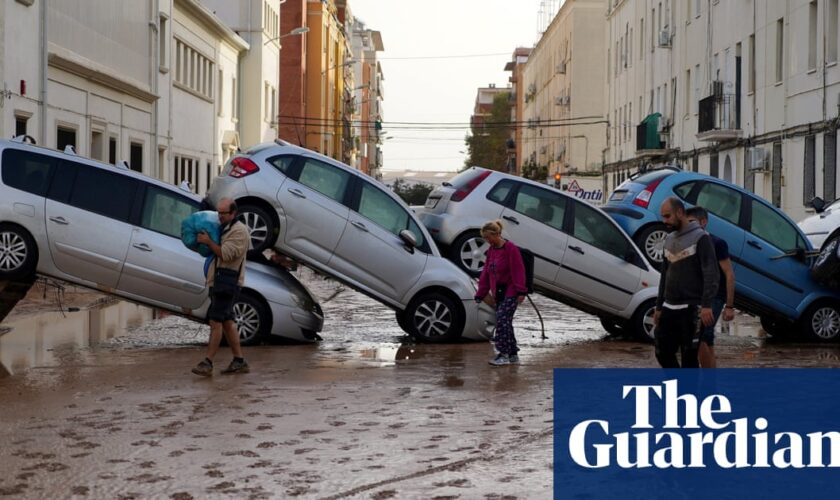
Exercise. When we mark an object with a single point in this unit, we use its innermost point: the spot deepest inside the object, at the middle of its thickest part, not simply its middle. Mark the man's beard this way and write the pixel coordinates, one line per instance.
(676, 226)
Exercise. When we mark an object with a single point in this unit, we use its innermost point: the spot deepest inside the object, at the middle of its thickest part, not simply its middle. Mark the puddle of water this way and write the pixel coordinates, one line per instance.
(33, 341)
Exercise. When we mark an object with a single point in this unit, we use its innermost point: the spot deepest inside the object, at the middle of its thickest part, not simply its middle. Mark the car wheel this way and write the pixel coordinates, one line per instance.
(642, 321)
(401, 321)
(18, 253)
(613, 327)
(469, 252)
(776, 327)
(827, 264)
(652, 242)
(434, 317)
(822, 321)
(252, 318)
(260, 225)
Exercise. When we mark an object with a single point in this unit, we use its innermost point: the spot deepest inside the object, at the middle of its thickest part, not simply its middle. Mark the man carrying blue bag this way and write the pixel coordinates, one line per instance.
(225, 277)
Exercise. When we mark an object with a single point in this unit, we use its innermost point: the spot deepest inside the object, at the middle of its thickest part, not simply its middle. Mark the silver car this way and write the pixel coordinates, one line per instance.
(582, 257)
(349, 226)
(118, 231)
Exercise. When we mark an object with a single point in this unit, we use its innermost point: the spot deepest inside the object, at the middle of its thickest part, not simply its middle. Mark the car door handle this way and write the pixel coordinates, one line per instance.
(59, 220)
(297, 192)
(754, 244)
(577, 249)
(142, 246)
(511, 218)
(359, 225)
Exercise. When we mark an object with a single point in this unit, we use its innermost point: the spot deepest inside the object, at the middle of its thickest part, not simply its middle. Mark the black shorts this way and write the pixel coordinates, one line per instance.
(221, 306)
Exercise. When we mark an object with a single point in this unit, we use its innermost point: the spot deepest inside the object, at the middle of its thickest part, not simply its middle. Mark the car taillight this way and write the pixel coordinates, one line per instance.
(462, 193)
(643, 199)
(242, 166)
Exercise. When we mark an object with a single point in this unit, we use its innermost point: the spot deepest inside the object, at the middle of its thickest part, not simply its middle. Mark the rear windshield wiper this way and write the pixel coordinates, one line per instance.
(446, 184)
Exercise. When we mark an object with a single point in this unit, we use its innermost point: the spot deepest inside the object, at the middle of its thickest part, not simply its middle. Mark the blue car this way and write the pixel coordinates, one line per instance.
(771, 256)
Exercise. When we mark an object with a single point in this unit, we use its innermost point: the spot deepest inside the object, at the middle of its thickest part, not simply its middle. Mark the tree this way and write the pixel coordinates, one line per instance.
(486, 144)
(412, 194)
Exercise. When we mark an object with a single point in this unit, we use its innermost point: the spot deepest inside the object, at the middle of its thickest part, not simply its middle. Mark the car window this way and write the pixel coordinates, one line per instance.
(283, 163)
(683, 190)
(326, 179)
(721, 201)
(541, 205)
(500, 191)
(163, 211)
(105, 193)
(771, 227)
(27, 171)
(590, 226)
(377, 206)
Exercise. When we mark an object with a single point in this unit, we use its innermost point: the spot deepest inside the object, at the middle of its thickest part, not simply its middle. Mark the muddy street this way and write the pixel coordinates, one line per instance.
(106, 407)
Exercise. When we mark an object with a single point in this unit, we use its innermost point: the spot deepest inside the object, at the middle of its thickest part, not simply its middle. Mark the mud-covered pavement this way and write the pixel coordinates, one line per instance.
(364, 414)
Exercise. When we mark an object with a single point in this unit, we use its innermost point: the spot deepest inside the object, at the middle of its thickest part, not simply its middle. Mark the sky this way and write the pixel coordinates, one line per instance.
(441, 90)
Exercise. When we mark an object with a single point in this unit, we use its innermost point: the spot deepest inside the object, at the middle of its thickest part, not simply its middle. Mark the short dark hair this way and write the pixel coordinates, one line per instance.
(698, 212)
(676, 204)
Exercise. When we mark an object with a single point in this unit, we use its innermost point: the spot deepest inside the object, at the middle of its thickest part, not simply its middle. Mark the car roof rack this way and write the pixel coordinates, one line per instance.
(122, 164)
(70, 150)
(24, 138)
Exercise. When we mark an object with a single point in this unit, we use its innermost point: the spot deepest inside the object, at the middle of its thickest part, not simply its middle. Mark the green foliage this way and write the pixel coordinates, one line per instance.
(535, 172)
(412, 194)
(486, 144)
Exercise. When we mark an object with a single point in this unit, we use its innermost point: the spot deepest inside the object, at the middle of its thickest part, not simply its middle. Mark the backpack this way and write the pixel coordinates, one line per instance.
(528, 260)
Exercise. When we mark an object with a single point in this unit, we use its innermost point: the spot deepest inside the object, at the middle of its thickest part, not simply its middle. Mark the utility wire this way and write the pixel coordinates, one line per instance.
(463, 56)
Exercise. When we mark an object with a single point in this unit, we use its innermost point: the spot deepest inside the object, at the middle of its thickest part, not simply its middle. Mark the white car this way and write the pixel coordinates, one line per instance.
(582, 257)
(823, 225)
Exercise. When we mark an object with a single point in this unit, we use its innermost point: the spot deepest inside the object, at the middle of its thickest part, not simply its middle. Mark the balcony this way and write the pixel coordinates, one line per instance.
(648, 142)
(719, 119)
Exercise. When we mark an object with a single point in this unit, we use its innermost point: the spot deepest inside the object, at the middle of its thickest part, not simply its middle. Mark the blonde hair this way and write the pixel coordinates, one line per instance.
(492, 227)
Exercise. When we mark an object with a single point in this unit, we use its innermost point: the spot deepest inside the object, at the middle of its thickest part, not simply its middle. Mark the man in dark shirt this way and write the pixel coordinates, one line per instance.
(724, 301)
(689, 282)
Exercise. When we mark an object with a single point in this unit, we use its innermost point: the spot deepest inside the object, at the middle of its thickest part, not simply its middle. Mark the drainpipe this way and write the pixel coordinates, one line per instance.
(44, 55)
(153, 80)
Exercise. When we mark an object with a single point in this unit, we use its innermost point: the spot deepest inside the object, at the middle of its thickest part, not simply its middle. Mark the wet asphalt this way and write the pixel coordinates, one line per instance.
(366, 413)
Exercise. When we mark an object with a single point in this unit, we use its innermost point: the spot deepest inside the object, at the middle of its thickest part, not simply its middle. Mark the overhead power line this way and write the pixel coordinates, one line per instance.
(463, 56)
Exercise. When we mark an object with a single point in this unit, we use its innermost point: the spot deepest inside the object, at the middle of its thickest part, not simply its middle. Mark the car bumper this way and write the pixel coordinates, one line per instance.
(295, 323)
(480, 321)
(444, 228)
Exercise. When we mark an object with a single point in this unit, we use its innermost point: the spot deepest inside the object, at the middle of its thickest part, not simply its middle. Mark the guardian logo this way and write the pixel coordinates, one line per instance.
(758, 433)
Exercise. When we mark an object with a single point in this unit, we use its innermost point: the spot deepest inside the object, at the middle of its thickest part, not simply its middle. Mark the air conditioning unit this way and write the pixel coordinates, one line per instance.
(758, 159)
(558, 100)
(566, 100)
(561, 68)
(532, 89)
(665, 38)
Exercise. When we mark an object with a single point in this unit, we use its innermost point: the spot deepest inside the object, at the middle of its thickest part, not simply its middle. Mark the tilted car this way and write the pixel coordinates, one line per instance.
(347, 225)
(769, 252)
(117, 231)
(582, 257)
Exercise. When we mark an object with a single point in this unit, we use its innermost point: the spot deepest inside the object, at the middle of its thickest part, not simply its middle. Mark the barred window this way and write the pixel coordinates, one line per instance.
(193, 70)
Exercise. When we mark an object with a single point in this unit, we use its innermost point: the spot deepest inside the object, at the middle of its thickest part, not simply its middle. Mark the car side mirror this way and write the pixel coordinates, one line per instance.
(408, 239)
(818, 204)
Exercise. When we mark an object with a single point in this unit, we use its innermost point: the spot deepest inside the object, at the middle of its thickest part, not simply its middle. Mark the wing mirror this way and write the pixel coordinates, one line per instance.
(408, 239)
(818, 204)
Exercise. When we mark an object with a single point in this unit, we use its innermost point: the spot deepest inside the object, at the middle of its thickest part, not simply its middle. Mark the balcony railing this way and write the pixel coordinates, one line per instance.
(718, 120)
(648, 142)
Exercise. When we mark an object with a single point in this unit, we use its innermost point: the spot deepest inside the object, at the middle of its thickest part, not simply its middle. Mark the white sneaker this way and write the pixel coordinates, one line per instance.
(500, 360)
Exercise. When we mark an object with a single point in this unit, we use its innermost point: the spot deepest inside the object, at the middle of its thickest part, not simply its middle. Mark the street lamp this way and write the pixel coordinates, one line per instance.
(297, 31)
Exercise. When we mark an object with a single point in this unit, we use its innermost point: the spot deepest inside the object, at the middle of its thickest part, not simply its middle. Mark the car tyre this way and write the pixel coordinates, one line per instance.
(642, 321)
(776, 327)
(651, 241)
(18, 253)
(469, 252)
(434, 317)
(826, 268)
(261, 227)
(613, 327)
(821, 321)
(401, 321)
(252, 318)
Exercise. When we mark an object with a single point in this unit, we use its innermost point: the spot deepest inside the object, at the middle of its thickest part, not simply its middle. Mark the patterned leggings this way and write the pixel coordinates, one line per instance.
(505, 340)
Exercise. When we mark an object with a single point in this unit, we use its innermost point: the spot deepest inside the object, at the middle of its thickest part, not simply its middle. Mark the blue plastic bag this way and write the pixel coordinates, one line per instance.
(206, 221)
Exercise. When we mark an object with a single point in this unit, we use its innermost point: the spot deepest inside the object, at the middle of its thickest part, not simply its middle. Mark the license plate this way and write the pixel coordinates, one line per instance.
(431, 202)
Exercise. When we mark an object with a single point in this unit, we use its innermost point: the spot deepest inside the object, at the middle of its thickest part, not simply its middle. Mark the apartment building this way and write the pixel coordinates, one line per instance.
(516, 66)
(367, 99)
(745, 91)
(562, 90)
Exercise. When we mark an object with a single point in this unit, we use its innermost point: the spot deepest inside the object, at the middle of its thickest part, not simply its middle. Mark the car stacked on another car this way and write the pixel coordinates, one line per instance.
(114, 230)
(771, 255)
(347, 225)
(582, 257)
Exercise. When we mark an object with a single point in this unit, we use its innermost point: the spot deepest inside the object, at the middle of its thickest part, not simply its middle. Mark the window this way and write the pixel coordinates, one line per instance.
(812, 35)
(163, 43)
(771, 227)
(377, 206)
(809, 181)
(193, 70)
(220, 93)
(105, 193)
(97, 141)
(186, 169)
(283, 163)
(683, 190)
(696, 101)
(593, 228)
(65, 137)
(326, 179)
(234, 103)
(751, 76)
(687, 91)
(112, 150)
(832, 40)
(541, 205)
(163, 211)
(721, 201)
(829, 165)
(136, 152)
(642, 39)
(26, 171)
(500, 191)
(20, 125)
(780, 51)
